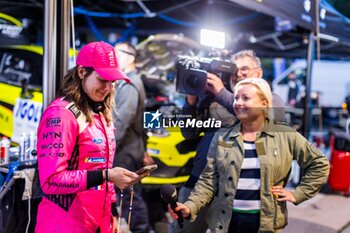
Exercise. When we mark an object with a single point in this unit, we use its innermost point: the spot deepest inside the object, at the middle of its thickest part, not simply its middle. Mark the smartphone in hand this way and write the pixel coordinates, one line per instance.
(147, 168)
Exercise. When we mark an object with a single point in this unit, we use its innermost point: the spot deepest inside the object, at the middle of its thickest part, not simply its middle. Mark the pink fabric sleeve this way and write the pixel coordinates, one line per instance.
(58, 166)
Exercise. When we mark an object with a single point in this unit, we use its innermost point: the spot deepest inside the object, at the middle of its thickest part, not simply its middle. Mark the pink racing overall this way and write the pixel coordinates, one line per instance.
(71, 156)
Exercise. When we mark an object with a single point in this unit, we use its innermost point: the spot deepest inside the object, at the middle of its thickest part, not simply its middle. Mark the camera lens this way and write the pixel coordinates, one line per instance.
(192, 81)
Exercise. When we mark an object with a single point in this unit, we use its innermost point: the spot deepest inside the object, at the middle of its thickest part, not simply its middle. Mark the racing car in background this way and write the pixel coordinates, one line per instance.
(20, 78)
(20, 90)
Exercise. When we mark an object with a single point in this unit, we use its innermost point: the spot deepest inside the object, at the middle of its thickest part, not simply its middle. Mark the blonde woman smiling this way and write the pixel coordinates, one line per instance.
(249, 165)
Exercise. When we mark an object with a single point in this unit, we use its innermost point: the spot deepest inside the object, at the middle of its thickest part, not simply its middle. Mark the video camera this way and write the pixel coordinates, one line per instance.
(192, 74)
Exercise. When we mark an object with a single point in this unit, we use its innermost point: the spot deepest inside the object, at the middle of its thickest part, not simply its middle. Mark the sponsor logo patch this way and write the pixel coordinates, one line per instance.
(95, 160)
(97, 140)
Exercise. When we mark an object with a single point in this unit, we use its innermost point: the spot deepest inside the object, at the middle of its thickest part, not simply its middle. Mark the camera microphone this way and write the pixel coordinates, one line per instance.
(169, 195)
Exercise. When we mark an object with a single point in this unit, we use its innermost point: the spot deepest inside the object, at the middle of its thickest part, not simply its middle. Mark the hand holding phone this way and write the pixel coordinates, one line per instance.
(148, 168)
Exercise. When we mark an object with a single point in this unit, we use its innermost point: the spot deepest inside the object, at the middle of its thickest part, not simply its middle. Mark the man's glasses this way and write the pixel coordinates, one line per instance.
(246, 69)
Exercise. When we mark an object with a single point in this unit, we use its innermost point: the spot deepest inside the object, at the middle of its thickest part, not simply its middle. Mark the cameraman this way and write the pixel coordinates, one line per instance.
(218, 105)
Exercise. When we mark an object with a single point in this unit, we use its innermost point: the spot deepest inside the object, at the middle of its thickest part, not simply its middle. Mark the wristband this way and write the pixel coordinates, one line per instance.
(107, 177)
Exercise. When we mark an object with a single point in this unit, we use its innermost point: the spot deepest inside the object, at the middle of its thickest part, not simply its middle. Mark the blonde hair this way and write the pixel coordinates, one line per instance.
(264, 92)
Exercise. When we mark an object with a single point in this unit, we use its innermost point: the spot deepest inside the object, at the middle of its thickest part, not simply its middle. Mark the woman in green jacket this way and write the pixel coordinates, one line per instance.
(249, 165)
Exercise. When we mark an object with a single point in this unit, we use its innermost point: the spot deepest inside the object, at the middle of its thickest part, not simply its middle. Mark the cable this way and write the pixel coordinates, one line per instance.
(79, 10)
(126, 33)
(130, 206)
(179, 22)
(29, 217)
(120, 208)
(129, 31)
(94, 29)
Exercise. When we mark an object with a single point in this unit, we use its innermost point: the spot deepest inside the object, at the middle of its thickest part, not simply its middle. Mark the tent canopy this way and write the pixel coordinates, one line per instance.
(248, 23)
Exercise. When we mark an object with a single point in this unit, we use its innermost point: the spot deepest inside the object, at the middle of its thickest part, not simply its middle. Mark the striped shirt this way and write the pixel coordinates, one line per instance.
(247, 199)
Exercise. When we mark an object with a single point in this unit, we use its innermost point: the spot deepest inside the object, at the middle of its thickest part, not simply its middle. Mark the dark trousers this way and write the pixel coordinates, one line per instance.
(244, 223)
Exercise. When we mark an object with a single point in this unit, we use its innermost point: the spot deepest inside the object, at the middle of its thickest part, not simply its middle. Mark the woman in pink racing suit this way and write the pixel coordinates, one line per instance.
(76, 147)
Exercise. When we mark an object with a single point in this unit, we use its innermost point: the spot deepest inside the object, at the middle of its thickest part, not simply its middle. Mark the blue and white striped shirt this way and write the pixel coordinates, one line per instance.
(247, 199)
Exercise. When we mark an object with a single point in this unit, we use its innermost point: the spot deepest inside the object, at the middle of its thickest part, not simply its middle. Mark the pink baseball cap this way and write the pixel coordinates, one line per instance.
(101, 56)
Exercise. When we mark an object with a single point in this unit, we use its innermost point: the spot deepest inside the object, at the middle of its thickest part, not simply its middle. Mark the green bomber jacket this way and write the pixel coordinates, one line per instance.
(277, 146)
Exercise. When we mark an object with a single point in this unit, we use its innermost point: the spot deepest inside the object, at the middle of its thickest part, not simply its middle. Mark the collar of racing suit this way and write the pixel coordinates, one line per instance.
(96, 106)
